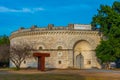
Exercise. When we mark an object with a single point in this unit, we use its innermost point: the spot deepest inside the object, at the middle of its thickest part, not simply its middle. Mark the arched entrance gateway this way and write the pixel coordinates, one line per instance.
(83, 55)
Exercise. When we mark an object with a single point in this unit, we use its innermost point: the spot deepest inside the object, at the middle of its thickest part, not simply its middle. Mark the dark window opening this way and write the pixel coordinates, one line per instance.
(40, 48)
(24, 62)
(59, 47)
(59, 62)
(89, 62)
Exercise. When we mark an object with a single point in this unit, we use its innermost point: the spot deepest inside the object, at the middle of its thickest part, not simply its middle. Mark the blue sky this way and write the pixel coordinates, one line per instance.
(25, 13)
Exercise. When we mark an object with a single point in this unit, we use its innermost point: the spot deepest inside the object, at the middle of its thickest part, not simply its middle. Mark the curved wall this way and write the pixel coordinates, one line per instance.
(50, 40)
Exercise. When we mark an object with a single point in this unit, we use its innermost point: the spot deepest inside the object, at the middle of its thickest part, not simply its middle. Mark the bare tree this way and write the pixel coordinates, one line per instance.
(18, 53)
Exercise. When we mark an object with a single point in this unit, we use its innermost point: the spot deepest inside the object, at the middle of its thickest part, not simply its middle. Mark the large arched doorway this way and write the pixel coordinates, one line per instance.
(82, 55)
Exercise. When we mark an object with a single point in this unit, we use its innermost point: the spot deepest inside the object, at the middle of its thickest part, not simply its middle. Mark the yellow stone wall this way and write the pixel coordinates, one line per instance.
(49, 40)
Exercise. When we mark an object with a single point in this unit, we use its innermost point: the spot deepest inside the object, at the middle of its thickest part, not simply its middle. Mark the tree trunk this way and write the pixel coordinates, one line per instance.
(107, 65)
(17, 67)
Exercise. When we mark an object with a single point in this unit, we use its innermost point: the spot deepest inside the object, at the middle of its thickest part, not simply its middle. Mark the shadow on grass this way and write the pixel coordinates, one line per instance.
(61, 75)
(49, 77)
(41, 77)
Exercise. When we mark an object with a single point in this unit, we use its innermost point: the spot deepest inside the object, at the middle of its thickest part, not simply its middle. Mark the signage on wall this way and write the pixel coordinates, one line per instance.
(82, 27)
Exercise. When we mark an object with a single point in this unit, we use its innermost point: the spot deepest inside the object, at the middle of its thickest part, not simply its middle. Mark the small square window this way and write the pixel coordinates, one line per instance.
(24, 62)
(59, 62)
(89, 62)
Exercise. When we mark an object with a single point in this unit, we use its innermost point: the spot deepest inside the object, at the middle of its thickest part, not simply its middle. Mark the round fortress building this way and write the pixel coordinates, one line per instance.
(72, 46)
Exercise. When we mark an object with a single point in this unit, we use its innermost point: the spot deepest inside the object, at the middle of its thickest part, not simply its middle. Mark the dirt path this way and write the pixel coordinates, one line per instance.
(93, 73)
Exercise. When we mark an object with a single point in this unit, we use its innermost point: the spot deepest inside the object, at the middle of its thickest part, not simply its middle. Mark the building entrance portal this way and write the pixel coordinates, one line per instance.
(41, 60)
(82, 53)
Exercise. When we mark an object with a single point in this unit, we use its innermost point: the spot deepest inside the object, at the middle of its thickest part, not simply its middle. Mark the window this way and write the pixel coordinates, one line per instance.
(40, 48)
(59, 47)
(59, 62)
(89, 62)
(24, 62)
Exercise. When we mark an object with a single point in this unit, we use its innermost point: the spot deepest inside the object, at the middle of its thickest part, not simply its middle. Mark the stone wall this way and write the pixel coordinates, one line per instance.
(51, 40)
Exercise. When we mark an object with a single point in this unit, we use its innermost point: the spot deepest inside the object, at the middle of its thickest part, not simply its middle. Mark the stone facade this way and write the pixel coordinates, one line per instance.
(68, 47)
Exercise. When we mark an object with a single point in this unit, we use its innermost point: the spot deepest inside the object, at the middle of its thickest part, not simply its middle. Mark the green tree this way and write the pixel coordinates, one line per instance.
(4, 50)
(108, 18)
(4, 40)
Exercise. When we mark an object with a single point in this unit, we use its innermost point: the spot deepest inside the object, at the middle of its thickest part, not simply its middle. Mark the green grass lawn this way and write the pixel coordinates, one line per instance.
(48, 77)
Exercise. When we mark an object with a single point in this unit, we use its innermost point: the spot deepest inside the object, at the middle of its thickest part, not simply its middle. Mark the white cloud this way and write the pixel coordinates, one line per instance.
(23, 10)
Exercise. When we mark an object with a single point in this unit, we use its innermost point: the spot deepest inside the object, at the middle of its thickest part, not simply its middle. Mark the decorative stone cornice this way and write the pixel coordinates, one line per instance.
(53, 32)
(60, 50)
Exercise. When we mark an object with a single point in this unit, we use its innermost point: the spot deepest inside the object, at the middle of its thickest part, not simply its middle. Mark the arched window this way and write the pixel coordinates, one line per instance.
(24, 62)
(40, 48)
(59, 47)
(59, 62)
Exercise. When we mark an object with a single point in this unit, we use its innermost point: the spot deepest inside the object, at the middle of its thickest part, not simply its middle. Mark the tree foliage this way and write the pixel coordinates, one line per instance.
(108, 18)
(4, 53)
(4, 49)
(4, 40)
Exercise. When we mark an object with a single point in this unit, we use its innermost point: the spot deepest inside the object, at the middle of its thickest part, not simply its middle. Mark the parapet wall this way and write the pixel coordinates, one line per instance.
(34, 30)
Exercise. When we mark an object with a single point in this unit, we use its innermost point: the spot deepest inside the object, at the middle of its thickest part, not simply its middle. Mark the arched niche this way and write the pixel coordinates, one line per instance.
(82, 51)
(91, 41)
(59, 45)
